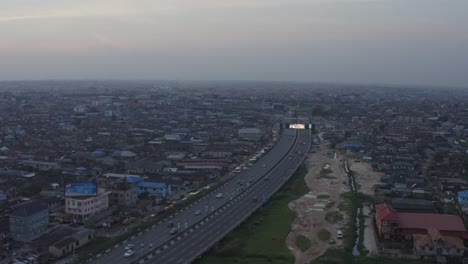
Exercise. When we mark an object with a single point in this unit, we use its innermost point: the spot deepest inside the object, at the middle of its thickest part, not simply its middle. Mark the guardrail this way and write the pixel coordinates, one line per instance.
(148, 256)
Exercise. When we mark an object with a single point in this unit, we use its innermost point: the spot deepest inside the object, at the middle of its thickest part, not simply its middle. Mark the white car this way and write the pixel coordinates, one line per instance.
(219, 195)
(129, 247)
(129, 253)
(339, 234)
(197, 212)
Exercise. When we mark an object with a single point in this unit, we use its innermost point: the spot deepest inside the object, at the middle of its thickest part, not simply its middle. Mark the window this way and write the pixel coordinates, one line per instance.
(386, 236)
(384, 223)
(384, 229)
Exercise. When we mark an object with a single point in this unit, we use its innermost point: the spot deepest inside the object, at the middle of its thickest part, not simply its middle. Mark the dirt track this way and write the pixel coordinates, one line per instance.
(311, 209)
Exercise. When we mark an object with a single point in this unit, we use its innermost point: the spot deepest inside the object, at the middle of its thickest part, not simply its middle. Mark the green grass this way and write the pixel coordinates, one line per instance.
(330, 205)
(325, 171)
(323, 234)
(338, 256)
(323, 196)
(303, 243)
(334, 217)
(325, 176)
(262, 238)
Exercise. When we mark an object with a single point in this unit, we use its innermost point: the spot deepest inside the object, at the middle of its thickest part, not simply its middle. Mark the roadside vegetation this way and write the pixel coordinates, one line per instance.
(261, 238)
(100, 244)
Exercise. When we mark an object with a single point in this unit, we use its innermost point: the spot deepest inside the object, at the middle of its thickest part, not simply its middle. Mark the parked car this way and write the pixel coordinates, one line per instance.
(219, 195)
(129, 247)
(339, 234)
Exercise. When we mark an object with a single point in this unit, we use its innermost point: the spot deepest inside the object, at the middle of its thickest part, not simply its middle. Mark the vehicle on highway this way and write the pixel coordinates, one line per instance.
(129, 253)
(170, 224)
(263, 166)
(219, 195)
(129, 247)
(266, 178)
(254, 198)
(173, 231)
(197, 212)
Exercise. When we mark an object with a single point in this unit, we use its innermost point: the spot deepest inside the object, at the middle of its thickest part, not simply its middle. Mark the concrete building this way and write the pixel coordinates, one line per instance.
(80, 208)
(154, 188)
(28, 221)
(393, 225)
(250, 134)
(124, 194)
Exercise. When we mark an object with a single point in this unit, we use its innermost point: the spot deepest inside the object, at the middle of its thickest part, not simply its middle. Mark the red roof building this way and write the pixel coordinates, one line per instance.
(394, 225)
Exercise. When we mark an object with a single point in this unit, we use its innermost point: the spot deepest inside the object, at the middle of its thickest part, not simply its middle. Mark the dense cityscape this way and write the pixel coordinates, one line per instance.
(127, 172)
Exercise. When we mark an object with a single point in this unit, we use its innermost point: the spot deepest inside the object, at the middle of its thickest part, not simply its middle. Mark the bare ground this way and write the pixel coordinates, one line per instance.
(311, 209)
(367, 179)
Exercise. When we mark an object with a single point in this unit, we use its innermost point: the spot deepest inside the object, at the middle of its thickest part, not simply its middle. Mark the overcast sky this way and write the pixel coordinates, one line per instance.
(359, 41)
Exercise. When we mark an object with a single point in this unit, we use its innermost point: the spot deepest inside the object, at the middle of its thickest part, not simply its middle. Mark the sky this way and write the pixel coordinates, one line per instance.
(410, 42)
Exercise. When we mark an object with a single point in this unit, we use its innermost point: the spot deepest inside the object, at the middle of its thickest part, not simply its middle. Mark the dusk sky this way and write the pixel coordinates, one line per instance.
(415, 42)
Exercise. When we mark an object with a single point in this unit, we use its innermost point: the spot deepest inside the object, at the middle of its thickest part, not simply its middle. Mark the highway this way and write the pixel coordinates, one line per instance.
(274, 165)
(186, 219)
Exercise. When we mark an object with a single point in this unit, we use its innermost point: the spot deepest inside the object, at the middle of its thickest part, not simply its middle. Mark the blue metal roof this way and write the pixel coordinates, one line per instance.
(133, 179)
(152, 184)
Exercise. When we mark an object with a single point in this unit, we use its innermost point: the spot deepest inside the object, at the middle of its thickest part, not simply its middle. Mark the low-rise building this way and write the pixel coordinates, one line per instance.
(28, 221)
(63, 240)
(250, 134)
(123, 194)
(396, 225)
(154, 188)
(78, 209)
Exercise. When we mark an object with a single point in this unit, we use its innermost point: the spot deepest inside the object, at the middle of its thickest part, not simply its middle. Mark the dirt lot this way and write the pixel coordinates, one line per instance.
(326, 180)
(366, 177)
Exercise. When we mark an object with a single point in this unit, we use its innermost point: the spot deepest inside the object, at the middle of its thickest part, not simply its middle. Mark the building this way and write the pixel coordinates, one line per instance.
(78, 209)
(201, 165)
(63, 240)
(435, 244)
(123, 194)
(41, 165)
(463, 201)
(28, 221)
(413, 205)
(154, 188)
(395, 225)
(250, 134)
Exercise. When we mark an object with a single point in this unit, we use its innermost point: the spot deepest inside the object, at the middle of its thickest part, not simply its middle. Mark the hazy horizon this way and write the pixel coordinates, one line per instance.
(382, 42)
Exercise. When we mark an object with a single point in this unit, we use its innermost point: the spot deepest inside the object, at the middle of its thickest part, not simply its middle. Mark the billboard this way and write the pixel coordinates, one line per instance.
(81, 189)
(297, 126)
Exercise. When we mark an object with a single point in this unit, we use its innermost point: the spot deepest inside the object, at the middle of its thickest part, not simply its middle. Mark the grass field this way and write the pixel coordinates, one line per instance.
(336, 256)
(261, 239)
(323, 234)
(303, 243)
